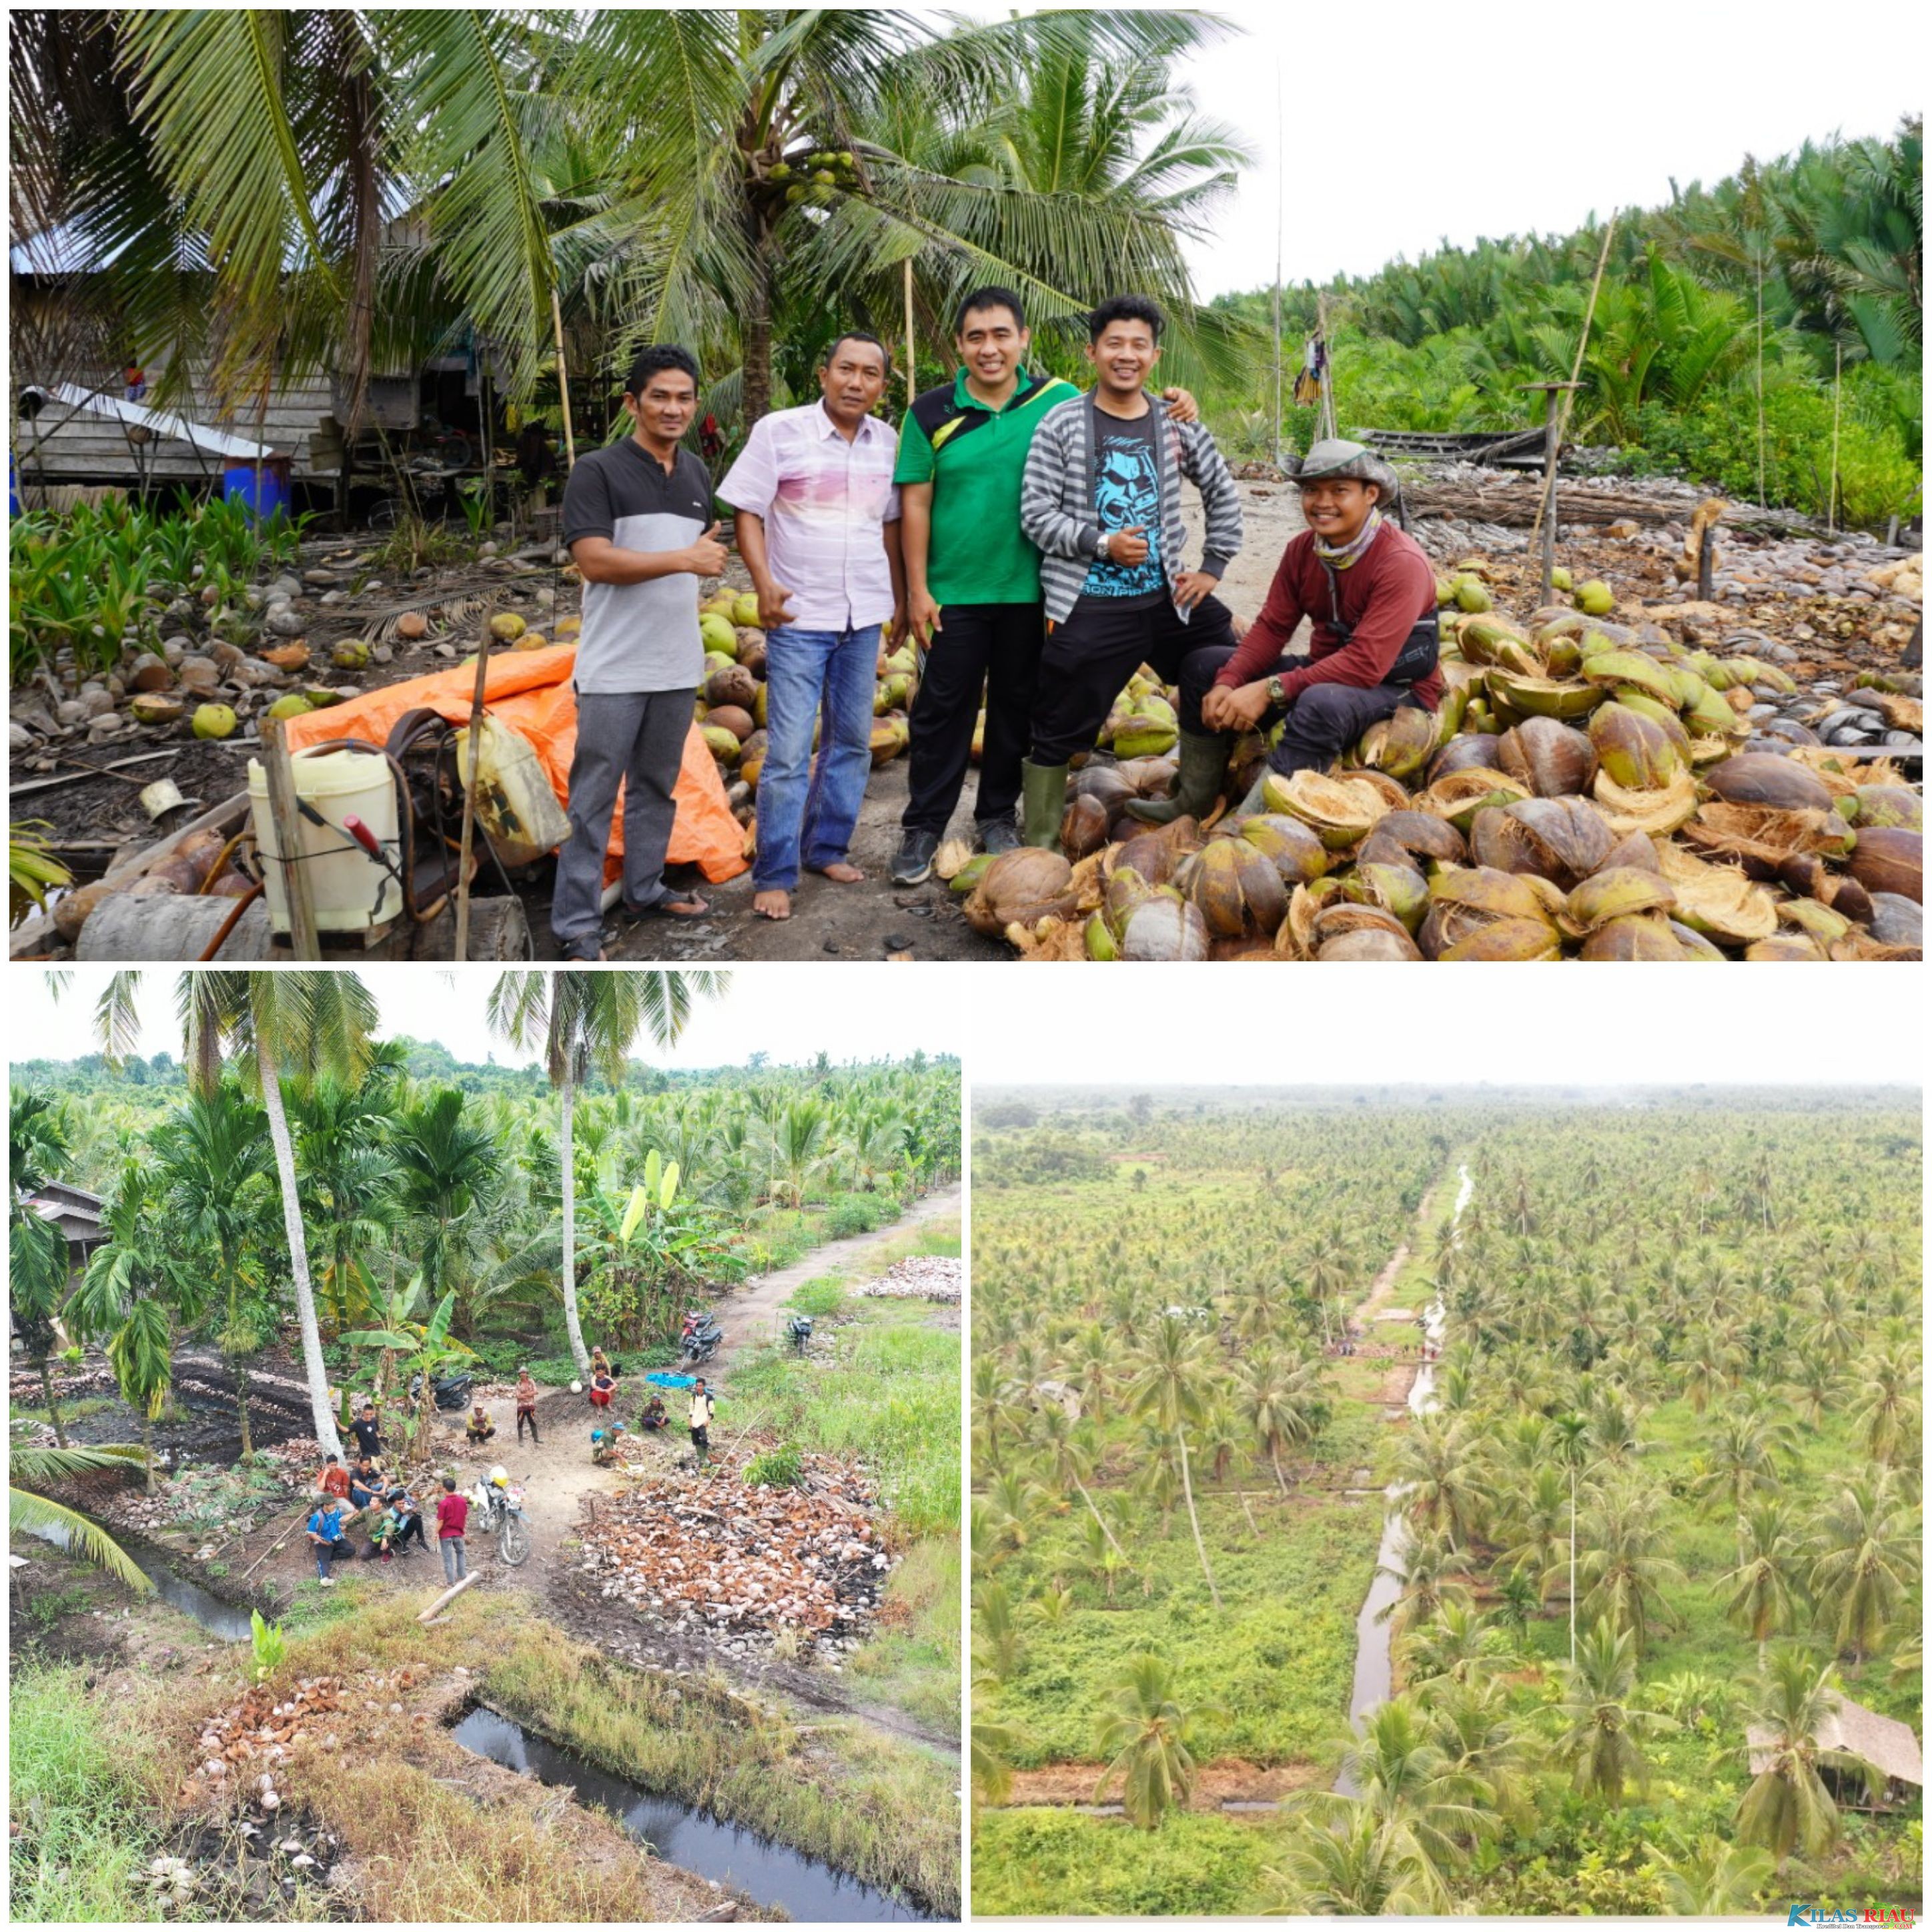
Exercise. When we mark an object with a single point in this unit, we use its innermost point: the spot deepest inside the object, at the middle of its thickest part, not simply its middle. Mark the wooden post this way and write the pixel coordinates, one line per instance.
(456, 1590)
(1552, 443)
(1837, 386)
(1327, 411)
(1707, 558)
(1280, 172)
(308, 1509)
(287, 818)
(562, 377)
(470, 801)
(912, 353)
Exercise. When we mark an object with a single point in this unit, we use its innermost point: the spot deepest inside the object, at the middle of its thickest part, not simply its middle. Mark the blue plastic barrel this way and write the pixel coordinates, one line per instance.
(13, 491)
(237, 481)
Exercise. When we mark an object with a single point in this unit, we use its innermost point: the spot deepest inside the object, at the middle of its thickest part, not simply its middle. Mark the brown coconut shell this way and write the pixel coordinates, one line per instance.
(1763, 777)
(1762, 837)
(1020, 888)
(733, 685)
(1636, 936)
(1479, 748)
(1370, 947)
(1236, 888)
(733, 718)
(1083, 826)
(1553, 759)
(1294, 851)
(1164, 928)
(1889, 859)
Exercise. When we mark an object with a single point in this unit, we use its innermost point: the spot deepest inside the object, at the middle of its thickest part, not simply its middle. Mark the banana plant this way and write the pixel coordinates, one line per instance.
(424, 1346)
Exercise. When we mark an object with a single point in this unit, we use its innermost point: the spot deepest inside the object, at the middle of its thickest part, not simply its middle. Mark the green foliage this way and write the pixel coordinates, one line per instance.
(1028, 1862)
(825, 1296)
(780, 1468)
(851, 1214)
(270, 1646)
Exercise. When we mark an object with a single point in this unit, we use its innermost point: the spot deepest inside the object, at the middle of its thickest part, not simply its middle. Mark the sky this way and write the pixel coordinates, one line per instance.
(853, 1011)
(1407, 124)
(1155, 1026)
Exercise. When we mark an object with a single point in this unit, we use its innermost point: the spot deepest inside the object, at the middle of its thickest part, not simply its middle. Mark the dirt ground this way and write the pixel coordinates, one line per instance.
(1225, 1780)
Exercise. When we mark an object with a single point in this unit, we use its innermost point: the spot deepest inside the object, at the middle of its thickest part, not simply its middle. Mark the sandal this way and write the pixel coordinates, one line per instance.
(667, 907)
(585, 949)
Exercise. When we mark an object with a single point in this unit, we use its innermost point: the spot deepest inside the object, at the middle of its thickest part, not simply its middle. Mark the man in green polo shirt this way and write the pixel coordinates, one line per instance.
(972, 577)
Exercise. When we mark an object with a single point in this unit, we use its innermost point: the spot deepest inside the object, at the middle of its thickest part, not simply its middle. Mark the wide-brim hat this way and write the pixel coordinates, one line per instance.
(1336, 457)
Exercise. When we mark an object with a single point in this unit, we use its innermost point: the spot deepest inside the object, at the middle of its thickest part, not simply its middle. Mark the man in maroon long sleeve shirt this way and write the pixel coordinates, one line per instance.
(1376, 652)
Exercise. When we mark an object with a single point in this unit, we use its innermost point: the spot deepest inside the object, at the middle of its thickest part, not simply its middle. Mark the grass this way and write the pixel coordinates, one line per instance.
(913, 1661)
(84, 1834)
(1031, 1861)
(885, 1813)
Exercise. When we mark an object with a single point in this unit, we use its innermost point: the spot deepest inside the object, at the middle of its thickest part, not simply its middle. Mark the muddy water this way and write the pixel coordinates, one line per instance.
(1374, 1670)
(230, 1622)
(769, 1872)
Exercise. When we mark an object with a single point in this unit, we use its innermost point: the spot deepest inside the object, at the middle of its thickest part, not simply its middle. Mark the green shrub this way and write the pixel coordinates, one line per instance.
(851, 1214)
(780, 1468)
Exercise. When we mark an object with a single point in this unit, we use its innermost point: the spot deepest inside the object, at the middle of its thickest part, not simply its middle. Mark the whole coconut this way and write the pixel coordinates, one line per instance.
(1889, 859)
(734, 718)
(1554, 760)
(1021, 887)
(736, 686)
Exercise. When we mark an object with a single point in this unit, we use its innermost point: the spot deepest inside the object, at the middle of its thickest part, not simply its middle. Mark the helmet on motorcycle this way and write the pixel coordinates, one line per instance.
(500, 1477)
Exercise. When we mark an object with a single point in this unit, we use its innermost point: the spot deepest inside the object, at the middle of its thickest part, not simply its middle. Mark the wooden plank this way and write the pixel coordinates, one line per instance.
(286, 816)
(429, 1616)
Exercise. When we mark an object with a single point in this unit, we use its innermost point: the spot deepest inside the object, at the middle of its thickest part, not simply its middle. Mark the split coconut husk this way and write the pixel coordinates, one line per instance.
(1020, 889)
(1235, 888)
(1761, 838)
(1552, 760)
(1718, 901)
(1560, 839)
(1338, 811)
(1764, 778)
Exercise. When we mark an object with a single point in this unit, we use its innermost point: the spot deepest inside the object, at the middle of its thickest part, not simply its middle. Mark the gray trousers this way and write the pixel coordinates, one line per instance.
(635, 739)
(455, 1564)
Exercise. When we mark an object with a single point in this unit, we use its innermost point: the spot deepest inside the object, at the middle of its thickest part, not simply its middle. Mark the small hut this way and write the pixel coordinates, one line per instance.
(1885, 1743)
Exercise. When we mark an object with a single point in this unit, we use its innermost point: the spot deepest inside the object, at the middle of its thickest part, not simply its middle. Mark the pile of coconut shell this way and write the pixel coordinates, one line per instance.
(1584, 789)
(720, 1552)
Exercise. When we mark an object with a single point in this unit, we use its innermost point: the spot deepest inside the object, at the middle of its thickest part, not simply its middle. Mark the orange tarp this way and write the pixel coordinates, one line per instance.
(530, 692)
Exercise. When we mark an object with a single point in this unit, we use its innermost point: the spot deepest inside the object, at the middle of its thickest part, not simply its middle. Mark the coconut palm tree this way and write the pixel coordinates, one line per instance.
(1401, 1778)
(1069, 1451)
(1603, 1732)
(1170, 1386)
(1712, 1878)
(992, 1748)
(584, 1021)
(1867, 1549)
(1788, 1807)
(448, 1178)
(29, 1513)
(1622, 1570)
(1888, 1415)
(1285, 1400)
(1458, 1645)
(1764, 1584)
(348, 1180)
(1440, 1464)
(1147, 1737)
(1352, 1867)
(36, 1256)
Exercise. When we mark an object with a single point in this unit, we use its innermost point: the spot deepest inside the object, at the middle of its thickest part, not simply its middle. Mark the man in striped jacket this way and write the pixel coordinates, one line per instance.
(1101, 498)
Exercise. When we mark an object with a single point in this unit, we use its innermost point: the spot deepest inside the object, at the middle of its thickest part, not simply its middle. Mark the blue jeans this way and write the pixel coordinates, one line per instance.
(807, 815)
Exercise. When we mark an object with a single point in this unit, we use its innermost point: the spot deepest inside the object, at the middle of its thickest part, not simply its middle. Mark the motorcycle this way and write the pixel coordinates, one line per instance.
(450, 1393)
(801, 1332)
(701, 1337)
(498, 1504)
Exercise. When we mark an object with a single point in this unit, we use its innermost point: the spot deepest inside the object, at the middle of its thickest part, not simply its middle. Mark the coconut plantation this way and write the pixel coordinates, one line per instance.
(484, 1450)
(1439, 1501)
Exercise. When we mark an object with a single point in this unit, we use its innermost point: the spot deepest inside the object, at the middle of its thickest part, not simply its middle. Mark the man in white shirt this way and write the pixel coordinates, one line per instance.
(818, 528)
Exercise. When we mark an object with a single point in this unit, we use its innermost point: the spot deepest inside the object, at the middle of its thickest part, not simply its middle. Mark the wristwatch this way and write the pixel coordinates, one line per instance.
(1277, 693)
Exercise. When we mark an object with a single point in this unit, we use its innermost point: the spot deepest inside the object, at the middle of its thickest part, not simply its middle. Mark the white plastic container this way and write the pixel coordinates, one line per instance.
(349, 891)
(515, 805)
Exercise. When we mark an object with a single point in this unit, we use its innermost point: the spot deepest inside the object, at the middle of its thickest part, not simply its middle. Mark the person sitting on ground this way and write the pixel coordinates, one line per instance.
(603, 1445)
(408, 1520)
(452, 1519)
(334, 1480)
(479, 1428)
(325, 1535)
(600, 1364)
(368, 1432)
(365, 1485)
(653, 1415)
(526, 1405)
(383, 1533)
(603, 1387)
(699, 1418)
(1370, 591)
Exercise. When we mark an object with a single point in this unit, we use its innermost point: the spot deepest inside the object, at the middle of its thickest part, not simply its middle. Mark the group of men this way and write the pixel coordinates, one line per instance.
(1027, 535)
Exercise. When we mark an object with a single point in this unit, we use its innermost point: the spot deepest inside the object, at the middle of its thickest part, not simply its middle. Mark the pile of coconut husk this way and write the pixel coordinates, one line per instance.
(1586, 788)
(918, 1278)
(714, 1551)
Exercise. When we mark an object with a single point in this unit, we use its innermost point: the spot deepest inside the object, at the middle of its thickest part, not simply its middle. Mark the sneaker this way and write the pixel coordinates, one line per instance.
(999, 835)
(912, 865)
(327, 1583)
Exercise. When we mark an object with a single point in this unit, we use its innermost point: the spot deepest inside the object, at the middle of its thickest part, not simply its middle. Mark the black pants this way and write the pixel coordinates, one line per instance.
(1325, 719)
(995, 646)
(529, 1415)
(412, 1532)
(1087, 661)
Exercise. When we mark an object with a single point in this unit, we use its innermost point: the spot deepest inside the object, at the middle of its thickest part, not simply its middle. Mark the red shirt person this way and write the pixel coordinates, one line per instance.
(1370, 591)
(452, 1519)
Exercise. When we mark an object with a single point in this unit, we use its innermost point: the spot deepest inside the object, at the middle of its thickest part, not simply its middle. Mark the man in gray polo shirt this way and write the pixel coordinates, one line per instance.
(637, 516)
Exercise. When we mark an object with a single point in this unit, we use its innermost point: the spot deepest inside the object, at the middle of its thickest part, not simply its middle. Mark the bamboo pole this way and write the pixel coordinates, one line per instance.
(1280, 215)
(912, 354)
(1576, 375)
(562, 378)
(456, 1590)
(308, 1509)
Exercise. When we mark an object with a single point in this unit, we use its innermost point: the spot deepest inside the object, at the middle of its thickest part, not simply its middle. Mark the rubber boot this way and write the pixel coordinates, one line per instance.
(1204, 762)
(1042, 803)
(1252, 803)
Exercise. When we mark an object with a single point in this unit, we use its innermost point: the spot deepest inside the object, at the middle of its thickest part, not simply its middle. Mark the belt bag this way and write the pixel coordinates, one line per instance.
(1420, 650)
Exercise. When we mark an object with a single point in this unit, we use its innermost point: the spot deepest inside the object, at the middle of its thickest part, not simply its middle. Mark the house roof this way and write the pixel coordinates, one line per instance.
(1884, 1742)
